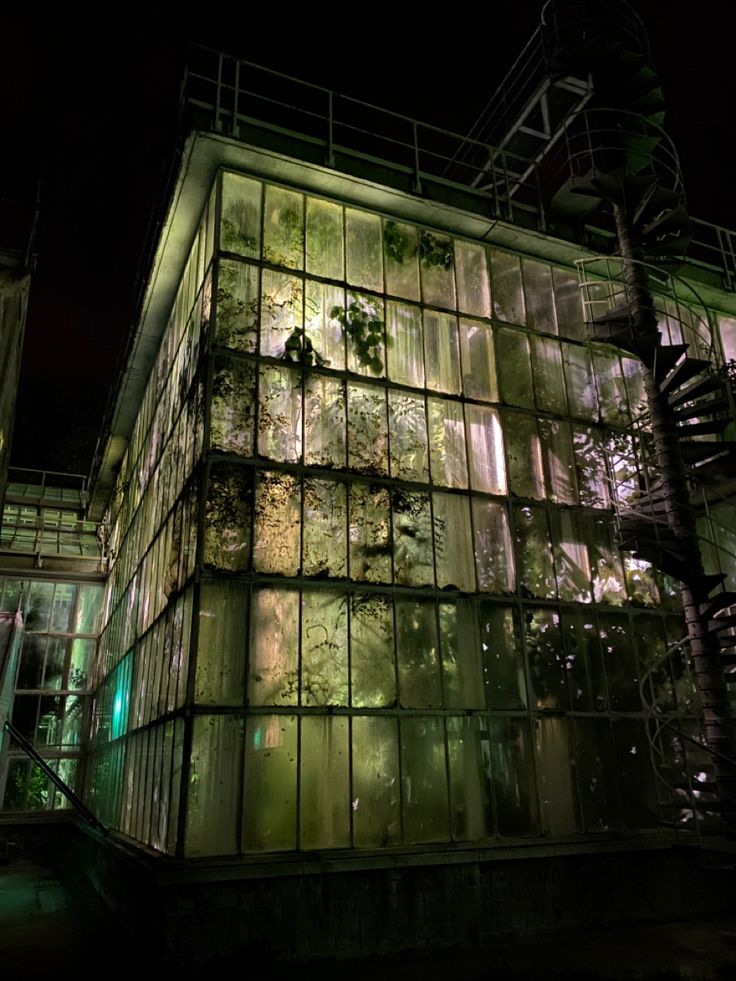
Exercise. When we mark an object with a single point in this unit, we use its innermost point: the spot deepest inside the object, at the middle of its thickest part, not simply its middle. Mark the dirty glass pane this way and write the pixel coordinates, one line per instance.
(424, 780)
(634, 378)
(283, 227)
(514, 368)
(436, 265)
(33, 655)
(417, 652)
(412, 538)
(568, 304)
(365, 328)
(324, 783)
(581, 391)
(556, 442)
(580, 639)
(324, 422)
(367, 429)
(325, 529)
(503, 657)
(635, 778)
(280, 413)
(595, 761)
(447, 443)
(619, 659)
(276, 524)
(508, 301)
(641, 581)
(373, 675)
(364, 249)
(237, 305)
(549, 381)
(462, 670)
(572, 564)
(494, 553)
(88, 609)
(376, 819)
(321, 328)
(473, 286)
(655, 670)
(405, 349)
(512, 772)
(469, 756)
(605, 561)
(273, 666)
(233, 396)
(281, 310)
(83, 652)
(540, 304)
(221, 645)
(485, 449)
(547, 673)
(535, 567)
(214, 785)
(557, 790)
(240, 229)
(324, 648)
(524, 454)
(62, 607)
(269, 803)
(38, 609)
(227, 519)
(401, 259)
(478, 360)
(441, 352)
(55, 658)
(407, 427)
(370, 533)
(453, 542)
(611, 388)
(591, 467)
(324, 239)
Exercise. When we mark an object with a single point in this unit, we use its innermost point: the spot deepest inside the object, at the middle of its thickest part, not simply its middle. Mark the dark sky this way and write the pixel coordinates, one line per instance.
(94, 115)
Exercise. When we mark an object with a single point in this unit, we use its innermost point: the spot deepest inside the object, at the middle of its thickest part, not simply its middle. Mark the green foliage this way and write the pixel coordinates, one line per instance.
(300, 348)
(233, 239)
(395, 243)
(360, 321)
(435, 251)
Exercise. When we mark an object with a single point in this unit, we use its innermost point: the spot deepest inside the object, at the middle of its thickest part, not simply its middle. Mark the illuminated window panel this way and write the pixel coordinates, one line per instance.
(479, 361)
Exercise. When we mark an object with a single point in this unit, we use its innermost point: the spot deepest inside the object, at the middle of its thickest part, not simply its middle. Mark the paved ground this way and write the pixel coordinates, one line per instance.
(50, 928)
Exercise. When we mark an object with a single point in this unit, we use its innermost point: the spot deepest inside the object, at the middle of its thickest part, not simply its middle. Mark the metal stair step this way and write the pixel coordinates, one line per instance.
(683, 371)
(666, 357)
(701, 409)
(704, 386)
(711, 427)
(715, 604)
(667, 221)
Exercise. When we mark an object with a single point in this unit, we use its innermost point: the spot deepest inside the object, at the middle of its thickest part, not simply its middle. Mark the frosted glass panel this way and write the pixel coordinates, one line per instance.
(277, 524)
(324, 783)
(462, 671)
(405, 349)
(221, 647)
(508, 299)
(364, 325)
(227, 519)
(324, 422)
(591, 467)
(364, 249)
(269, 805)
(237, 305)
(370, 533)
(556, 442)
(407, 427)
(473, 286)
(325, 239)
(233, 395)
(273, 669)
(376, 818)
(418, 654)
(549, 382)
(568, 304)
(611, 388)
(524, 453)
(619, 657)
(325, 529)
(283, 227)
(437, 269)
(557, 789)
(547, 669)
(424, 780)
(373, 674)
(412, 536)
(447, 443)
(479, 361)
(280, 413)
(572, 563)
(514, 368)
(324, 648)
(580, 383)
(540, 302)
(502, 657)
(214, 785)
(469, 757)
(240, 230)
(453, 542)
(367, 429)
(534, 554)
(441, 352)
(485, 449)
(512, 771)
(401, 259)
(323, 330)
(494, 554)
(281, 310)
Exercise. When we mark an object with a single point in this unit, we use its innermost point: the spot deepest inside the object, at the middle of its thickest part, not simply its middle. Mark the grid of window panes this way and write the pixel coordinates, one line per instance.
(61, 622)
(141, 671)
(57, 531)
(407, 518)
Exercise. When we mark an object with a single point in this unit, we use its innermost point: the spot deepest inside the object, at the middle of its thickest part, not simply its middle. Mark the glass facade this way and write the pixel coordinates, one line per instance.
(365, 591)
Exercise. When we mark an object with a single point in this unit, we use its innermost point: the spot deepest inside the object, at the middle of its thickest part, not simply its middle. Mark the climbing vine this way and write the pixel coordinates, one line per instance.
(435, 251)
(365, 329)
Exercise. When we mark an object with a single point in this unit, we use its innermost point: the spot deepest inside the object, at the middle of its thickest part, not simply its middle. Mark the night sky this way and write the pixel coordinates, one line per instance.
(96, 120)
